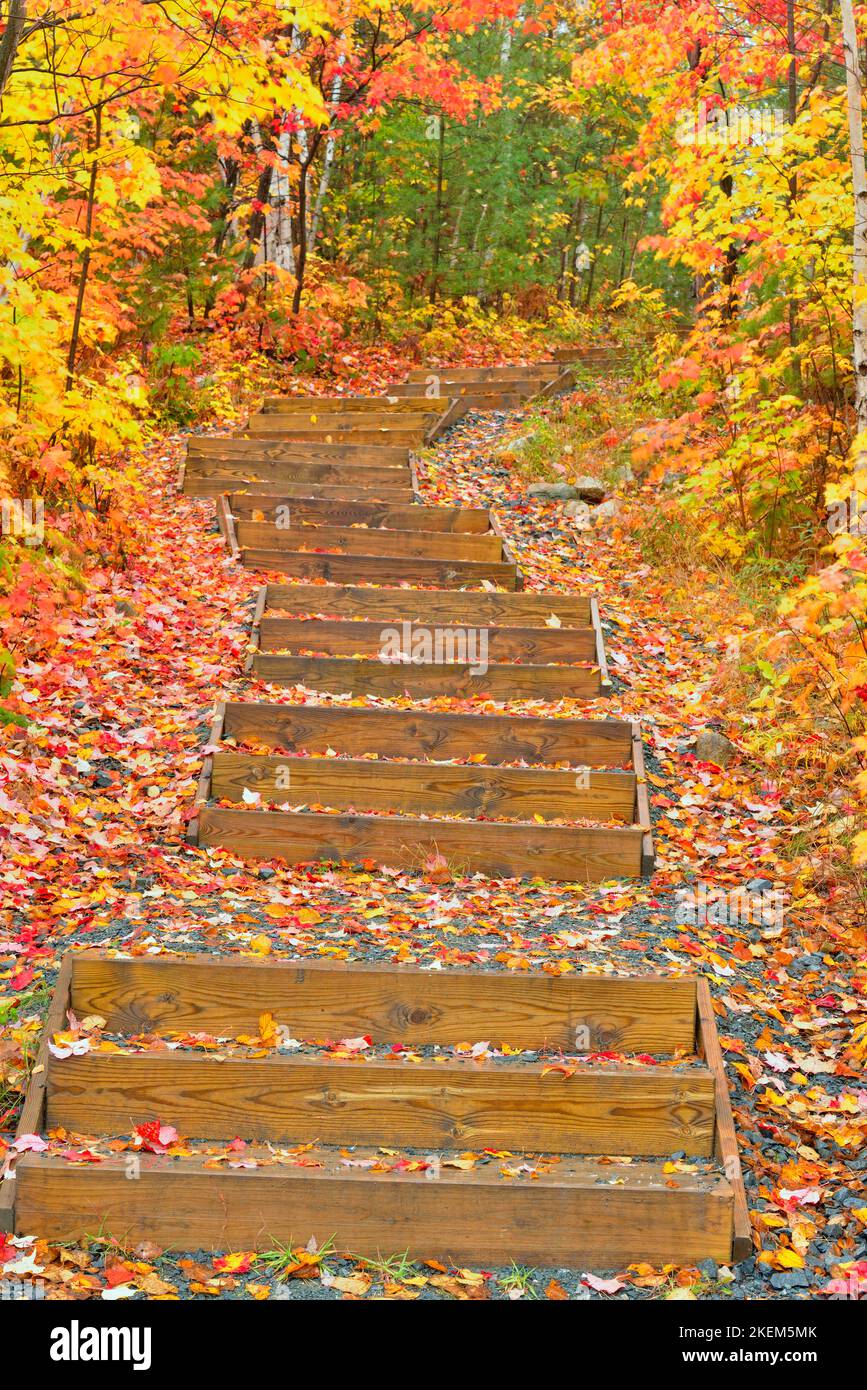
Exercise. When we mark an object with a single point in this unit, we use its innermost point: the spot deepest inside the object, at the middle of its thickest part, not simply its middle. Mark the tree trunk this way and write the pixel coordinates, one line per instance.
(854, 85)
(11, 39)
(438, 215)
(327, 162)
(85, 258)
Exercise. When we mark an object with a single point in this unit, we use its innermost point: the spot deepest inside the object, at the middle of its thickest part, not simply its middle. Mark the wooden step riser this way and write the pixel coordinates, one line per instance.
(451, 1105)
(460, 521)
(373, 569)
(492, 1222)
(364, 540)
(288, 474)
(476, 398)
(337, 999)
(498, 850)
(424, 789)
(361, 405)
(289, 489)
(508, 372)
(272, 427)
(200, 452)
(348, 638)
(418, 734)
(360, 676)
(395, 605)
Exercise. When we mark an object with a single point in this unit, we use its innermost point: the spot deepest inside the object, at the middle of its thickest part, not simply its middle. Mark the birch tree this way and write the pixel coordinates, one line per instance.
(854, 96)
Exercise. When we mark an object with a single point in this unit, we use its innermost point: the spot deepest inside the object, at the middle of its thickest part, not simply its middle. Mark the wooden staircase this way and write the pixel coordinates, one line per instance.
(563, 1146)
(562, 1158)
(485, 388)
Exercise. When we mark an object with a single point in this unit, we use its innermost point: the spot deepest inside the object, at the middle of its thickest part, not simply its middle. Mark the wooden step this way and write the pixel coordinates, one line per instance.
(415, 799)
(348, 637)
(369, 540)
(362, 405)
(463, 659)
(209, 476)
(522, 370)
(502, 738)
(536, 1201)
(389, 605)
(578, 1214)
(509, 662)
(429, 1104)
(271, 507)
(278, 427)
(225, 996)
(424, 788)
(385, 421)
(281, 451)
(379, 569)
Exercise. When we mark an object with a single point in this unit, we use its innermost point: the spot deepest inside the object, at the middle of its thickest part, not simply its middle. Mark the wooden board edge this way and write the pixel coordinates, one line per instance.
(33, 1109)
(601, 659)
(642, 804)
(227, 526)
(258, 614)
(203, 790)
(455, 410)
(725, 1134)
(182, 474)
(508, 554)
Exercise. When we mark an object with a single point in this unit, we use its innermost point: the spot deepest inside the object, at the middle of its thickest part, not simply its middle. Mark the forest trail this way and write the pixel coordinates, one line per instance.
(114, 766)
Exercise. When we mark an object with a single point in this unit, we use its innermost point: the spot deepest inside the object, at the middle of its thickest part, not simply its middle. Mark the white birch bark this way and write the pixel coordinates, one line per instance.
(854, 94)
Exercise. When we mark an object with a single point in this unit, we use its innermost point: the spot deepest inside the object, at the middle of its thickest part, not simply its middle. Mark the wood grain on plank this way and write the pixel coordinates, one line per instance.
(350, 638)
(340, 999)
(423, 734)
(580, 1215)
(508, 849)
(451, 1104)
(276, 426)
(415, 517)
(424, 788)
(726, 1139)
(381, 569)
(201, 448)
(512, 609)
(363, 405)
(370, 676)
(369, 540)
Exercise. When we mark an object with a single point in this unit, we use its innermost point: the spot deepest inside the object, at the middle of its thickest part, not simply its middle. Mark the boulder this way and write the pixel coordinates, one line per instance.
(713, 747)
(579, 512)
(606, 511)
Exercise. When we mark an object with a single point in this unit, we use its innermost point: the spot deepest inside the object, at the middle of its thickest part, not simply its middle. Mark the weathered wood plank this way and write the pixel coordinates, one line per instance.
(205, 447)
(383, 421)
(370, 540)
(498, 610)
(381, 569)
(725, 1136)
(579, 1215)
(361, 405)
(346, 637)
(424, 788)
(276, 426)
(32, 1117)
(450, 1104)
(414, 517)
(506, 849)
(226, 996)
(422, 734)
(371, 676)
(363, 475)
(504, 371)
